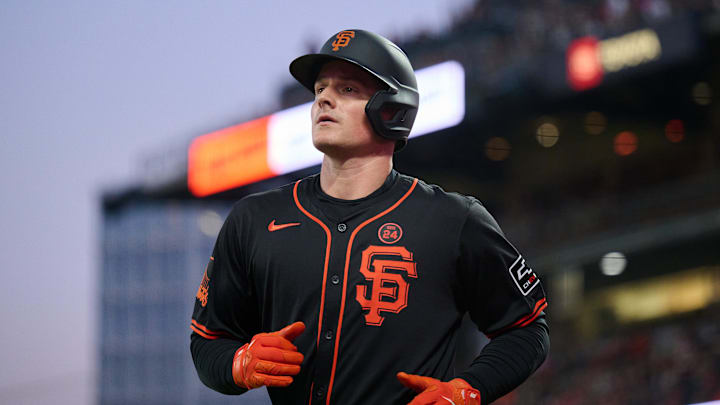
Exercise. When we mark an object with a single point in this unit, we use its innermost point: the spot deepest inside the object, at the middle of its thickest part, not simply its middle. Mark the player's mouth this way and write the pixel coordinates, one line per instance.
(325, 119)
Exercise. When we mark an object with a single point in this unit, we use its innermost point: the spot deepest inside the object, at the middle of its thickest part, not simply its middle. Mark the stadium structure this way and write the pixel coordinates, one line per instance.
(591, 131)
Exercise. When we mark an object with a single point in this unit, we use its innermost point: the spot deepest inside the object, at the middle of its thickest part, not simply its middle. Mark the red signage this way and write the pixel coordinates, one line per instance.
(229, 158)
(584, 67)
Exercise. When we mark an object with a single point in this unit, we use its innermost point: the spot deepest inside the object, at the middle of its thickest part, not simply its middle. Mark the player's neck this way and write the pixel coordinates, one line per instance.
(356, 178)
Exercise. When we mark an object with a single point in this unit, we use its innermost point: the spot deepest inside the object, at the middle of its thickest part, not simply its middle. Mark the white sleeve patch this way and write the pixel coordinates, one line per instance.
(523, 276)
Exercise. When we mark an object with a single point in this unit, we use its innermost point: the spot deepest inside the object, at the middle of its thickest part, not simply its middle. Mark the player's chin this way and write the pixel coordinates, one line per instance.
(330, 150)
(327, 145)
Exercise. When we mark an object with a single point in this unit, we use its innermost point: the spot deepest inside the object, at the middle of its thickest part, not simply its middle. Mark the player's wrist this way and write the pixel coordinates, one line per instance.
(460, 383)
(469, 395)
(238, 367)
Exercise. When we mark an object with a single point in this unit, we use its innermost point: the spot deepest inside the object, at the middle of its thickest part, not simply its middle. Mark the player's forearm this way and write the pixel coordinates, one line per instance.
(508, 360)
(213, 362)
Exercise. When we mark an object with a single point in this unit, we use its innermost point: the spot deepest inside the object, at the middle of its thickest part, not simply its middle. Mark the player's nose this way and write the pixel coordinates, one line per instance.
(326, 98)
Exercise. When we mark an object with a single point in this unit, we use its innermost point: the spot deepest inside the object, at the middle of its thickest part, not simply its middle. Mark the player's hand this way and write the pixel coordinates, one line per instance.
(269, 359)
(433, 391)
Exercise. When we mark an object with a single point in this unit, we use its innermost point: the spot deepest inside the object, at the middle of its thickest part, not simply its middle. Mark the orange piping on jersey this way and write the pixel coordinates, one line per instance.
(526, 320)
(327, 257)
(347, 265)
(204, 329)
(543, 304)
(205, 332)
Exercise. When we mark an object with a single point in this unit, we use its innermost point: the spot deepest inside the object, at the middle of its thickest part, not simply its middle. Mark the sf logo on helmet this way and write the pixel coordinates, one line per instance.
(343, 39)
(387, 291)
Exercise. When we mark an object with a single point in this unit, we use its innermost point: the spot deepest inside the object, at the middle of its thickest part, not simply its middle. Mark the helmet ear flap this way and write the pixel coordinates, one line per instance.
(391, 114)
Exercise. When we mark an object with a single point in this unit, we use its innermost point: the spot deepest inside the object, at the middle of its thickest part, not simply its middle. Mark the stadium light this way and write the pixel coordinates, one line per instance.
(595, 123)
(675, 131)
(702, 93)
(613, 264)
(497, 148)
(547, 134)
(625, 143)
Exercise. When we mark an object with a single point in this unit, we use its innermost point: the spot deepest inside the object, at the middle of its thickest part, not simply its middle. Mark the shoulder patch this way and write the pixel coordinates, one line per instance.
(524, 277)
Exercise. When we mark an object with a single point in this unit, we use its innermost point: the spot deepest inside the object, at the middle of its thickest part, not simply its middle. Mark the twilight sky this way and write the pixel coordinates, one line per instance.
(87, 88)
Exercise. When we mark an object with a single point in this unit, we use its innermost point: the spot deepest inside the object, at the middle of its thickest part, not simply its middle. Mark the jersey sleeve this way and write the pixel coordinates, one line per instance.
(225, 304)
(498, 287)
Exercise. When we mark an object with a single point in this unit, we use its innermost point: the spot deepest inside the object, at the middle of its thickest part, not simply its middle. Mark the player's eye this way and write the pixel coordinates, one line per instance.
(348, 89)
(319, 90)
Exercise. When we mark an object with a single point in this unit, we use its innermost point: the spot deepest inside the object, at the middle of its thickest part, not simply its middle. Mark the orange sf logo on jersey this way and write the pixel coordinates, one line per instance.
(343, 39)
(202, 293)
(387, 292)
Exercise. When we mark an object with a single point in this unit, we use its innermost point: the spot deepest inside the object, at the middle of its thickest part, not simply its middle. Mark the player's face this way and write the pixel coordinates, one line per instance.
(339, 124)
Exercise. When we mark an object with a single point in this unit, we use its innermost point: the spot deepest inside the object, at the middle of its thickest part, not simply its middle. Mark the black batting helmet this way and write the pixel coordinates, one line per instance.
(382, 59)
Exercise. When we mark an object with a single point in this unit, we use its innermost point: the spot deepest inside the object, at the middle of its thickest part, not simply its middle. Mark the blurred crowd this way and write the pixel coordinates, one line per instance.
(534, 217)
(675, 362)
(519, 30)
(503, 45)
(500, 42)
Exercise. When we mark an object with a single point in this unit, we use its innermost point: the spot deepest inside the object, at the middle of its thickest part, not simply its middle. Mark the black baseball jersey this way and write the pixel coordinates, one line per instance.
(381, 284)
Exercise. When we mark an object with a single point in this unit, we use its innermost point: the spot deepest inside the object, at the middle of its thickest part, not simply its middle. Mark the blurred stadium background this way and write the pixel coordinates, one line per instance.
(590, 130)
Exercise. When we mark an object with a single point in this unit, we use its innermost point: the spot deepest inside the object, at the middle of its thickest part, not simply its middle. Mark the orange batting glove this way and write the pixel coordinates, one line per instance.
(269, 359)
(433, 391)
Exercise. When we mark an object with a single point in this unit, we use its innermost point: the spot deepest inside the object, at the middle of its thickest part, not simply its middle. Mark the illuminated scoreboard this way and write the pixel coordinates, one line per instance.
(282, 143)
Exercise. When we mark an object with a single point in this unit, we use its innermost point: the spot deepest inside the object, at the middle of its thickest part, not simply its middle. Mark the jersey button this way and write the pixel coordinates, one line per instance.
(342, 227)
(320, 392)
(335, 279)
(328, 334)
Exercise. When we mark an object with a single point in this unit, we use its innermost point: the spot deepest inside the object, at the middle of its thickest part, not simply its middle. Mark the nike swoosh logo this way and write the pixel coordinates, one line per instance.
(272, 227)
(448, 399)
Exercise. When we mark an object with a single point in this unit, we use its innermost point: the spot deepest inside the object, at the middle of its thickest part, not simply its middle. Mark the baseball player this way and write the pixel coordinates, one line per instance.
(348, 287)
